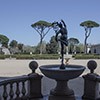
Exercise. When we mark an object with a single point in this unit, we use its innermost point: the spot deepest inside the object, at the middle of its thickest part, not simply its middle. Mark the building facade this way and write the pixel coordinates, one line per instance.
(95, 49)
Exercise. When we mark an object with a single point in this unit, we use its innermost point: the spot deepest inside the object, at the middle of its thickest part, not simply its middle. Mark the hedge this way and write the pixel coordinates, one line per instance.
(38, 56)
(86, 56)
(2, 56)
(33, 56)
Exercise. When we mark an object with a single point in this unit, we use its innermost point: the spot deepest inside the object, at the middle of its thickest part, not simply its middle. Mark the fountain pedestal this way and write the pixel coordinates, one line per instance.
(62, 91)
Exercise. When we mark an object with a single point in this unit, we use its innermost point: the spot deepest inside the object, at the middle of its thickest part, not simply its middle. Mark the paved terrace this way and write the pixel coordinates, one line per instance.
(11, 68)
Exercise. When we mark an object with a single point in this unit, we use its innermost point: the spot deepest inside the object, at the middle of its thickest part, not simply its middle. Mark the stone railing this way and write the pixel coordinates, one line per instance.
(91, 83)
(26, 87)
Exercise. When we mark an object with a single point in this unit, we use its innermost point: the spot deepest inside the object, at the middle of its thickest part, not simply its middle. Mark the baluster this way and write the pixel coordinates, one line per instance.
(0, 97)
(11, 93)
(5, 94)
(23, 88)
(17, 89)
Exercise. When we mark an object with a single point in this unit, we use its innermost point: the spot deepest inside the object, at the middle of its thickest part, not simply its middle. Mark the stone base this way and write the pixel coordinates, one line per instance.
(51, 97)
(62, 89)
(65, 92)
(90, 98)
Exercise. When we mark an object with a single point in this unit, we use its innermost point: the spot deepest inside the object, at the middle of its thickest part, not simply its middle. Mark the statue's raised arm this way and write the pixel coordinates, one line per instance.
(63, 23)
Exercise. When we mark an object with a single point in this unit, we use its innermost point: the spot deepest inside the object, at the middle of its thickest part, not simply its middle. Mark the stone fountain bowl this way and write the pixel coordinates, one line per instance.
(54, 71)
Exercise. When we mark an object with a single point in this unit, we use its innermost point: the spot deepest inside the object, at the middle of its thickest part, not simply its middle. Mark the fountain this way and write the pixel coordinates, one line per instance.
(62, 73)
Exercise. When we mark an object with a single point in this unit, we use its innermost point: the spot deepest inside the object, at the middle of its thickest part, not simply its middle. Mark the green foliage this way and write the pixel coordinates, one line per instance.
(37, 48)
(4, 40)
(20, 46)
(23, 56)
(41, 23)
(32, 56)
(73, 41)
(45, 56)
(89, 24)
(86, 56)
(80, 48)
(72, 44)
(2, 56)
(27, 49)
(13, 43)
(52, 47)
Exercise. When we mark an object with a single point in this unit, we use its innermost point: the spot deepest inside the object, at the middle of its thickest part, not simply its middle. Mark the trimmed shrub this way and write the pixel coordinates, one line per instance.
(86, 56)
(38, 56)
(2, 56)
(28, 56)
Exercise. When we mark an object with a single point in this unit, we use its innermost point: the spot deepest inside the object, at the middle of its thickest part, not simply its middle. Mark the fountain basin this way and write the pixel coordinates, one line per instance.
(54, 71)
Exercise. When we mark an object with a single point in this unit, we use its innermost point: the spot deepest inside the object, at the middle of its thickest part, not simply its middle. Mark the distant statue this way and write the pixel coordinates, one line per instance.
(62, 30)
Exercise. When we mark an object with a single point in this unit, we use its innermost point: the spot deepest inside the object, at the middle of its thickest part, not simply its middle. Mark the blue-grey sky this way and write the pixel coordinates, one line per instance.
(16, 17)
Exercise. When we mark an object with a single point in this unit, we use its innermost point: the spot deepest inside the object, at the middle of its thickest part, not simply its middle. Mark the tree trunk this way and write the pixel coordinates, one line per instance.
(87, 34)
(41, 46)
(66, 50)
(85, 45)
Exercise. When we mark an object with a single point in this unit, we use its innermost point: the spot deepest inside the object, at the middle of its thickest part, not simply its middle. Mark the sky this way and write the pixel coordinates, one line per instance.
(16, 17)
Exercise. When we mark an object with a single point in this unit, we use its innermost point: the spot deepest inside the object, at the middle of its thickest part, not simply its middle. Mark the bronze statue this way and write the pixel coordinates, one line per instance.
(60, 28)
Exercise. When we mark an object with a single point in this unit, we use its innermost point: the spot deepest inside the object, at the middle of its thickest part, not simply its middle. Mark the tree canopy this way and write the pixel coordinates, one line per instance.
(40, 27)
(4, 40)
(89, 24)
(73, 41)
(41, 23)
(13, 44)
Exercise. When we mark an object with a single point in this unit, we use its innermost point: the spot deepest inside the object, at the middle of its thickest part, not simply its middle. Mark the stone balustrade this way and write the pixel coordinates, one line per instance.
(26, 87)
